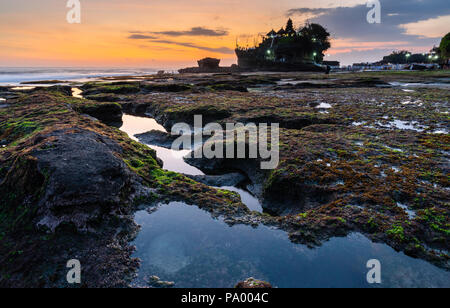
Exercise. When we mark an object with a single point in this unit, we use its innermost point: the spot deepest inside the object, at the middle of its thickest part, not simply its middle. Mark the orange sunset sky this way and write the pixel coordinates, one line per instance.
(175, 33)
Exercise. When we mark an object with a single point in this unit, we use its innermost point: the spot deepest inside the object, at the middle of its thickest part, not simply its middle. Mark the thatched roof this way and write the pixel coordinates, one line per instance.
(271, 33)
(281, 32)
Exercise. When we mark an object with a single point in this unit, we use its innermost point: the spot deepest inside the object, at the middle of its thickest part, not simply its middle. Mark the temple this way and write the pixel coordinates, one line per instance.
(287, 50)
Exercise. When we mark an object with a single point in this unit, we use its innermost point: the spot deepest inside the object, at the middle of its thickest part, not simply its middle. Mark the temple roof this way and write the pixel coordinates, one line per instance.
(272, 33)
(281, 32)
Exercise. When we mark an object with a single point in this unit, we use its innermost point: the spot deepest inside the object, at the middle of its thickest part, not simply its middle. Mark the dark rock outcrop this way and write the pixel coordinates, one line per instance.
(158, 138)
(109, 113)
(209, 63)
(252, 283)
(229, 179)
(83, 179)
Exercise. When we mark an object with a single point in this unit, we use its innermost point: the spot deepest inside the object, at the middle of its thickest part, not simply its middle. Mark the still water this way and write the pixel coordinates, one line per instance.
(184, 244)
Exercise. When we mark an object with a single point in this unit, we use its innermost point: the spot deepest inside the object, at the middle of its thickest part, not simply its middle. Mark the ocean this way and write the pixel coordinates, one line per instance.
(14, 76)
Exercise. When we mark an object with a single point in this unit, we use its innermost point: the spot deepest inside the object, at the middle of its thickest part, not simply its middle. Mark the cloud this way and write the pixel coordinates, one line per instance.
(307, 11)
(416, 25)
(158, 37)
(141, 37)
(223, 50)
(195, 31)
(431, 28)
(351, 22)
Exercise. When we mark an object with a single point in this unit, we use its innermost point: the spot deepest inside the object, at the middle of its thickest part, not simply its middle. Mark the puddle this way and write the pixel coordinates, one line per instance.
(441, 132)
(184, 244)
(417, 103)
(133, 125)
(421, 85)
(77, 93)
(411, 214)
(173, 160)
(247, 198)
(394, 149)
(324, 106)
(22, 88)
(3, 105)
(294, 82)
(255, 90)
(395, 169)
(405, 125)
(182, 100)
(402, 125)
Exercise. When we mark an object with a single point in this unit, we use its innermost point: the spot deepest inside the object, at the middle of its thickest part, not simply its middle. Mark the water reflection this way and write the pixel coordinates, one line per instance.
(133, 125)
(184, 244)
(172, 160)
(247, 198)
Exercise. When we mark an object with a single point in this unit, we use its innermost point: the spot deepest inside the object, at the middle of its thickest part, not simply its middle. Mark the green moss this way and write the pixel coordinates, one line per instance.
(397, 232)
(163, 177)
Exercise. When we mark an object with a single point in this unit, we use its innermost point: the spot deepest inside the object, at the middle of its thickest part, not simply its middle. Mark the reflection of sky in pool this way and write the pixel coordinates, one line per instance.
(133, 125)
(247, 198)
(173, 160)
(184, 244)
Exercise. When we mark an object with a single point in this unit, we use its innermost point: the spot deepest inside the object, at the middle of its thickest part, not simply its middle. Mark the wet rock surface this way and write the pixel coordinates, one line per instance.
(69, 187)
(69, 184)
(109, 113)
(156, 137)
(84, 178)
(230, 179)
(351, 151)
(252, 283)
(156, 282)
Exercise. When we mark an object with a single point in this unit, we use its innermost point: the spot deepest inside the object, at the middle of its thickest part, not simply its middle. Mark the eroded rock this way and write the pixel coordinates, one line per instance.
(252, 283)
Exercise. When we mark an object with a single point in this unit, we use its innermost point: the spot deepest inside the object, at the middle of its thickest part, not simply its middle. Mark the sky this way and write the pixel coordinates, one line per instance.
(169, 34)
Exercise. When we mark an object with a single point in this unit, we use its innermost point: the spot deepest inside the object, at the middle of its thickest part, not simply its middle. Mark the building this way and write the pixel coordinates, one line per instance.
(333, 64)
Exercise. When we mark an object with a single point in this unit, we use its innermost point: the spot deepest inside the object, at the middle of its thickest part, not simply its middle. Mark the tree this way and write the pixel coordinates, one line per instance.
(418, 58)
(444, 47)
(397, 57)
(318, 38)
(290, 28)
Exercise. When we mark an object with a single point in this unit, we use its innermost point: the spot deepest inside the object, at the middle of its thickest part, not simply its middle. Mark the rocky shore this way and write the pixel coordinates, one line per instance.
(358, 153)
